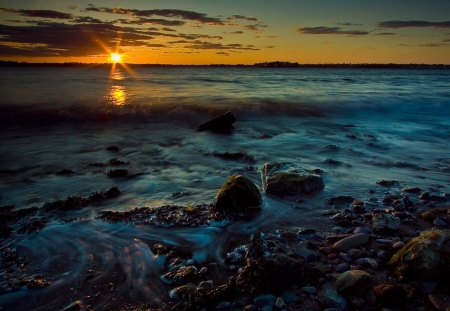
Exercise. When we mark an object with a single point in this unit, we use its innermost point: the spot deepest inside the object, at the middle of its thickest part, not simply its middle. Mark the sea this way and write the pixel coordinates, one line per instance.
(57, 124)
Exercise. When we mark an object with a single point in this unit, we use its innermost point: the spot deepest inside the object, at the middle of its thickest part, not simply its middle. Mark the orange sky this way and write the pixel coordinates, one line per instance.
(238, 32)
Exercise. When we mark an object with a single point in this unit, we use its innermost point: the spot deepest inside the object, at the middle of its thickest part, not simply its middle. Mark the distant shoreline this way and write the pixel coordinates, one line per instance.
(256, 65)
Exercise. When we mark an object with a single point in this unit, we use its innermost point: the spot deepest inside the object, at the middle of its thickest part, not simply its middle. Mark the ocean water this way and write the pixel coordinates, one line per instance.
(359, 126)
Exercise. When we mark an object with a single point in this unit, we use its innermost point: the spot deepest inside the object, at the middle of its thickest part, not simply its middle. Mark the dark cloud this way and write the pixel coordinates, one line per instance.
(254, 27)
(87, 19)
(321, 30)
(156, 45)
(251, 19)
(40, 13)
(58, 39)
(168, 29)
(237, 32)
(349, 24)
(174, 13)
(203, 45)
(222, 53)
(432, 45)
(417, 24)
(385, 34)
(153, 21)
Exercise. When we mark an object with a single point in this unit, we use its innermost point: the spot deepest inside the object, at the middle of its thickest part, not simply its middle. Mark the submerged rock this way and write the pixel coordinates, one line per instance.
(283, 179)
(238, 195)
(426, 257)
(223, 122)
(117, 173)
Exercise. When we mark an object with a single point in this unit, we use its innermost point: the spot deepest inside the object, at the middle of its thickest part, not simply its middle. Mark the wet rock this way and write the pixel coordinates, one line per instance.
(33, 226)
(113, 149)
(341, 200)
(440, 302)
(238, 195)
(283, 179)
(34, 282)
(264, 300)
(221, 123)
(391, 295)
(76, 203)
(387, 183)
(438, 222)
(183, 292)
(186, 274)
(426, 257)
(353, 282)
(388, 199)
(64, 172)
(384, 223)
(351, 241)
(398, 245)
(117, 162)
(279, 303)
(290, 297)
(330, 298)
(236, 156)
(118, 173)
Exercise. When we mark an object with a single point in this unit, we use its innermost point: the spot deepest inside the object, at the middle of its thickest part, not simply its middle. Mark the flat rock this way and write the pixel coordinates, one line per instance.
(285, 179)
(352, 241)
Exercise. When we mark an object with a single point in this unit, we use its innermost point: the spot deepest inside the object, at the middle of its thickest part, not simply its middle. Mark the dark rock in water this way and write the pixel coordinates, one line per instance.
(387, 183)
(426, 257)
(186, 274)
(74, 306)
(236, 156)
(64, 172)
(353, 282)
(35, 282)
(341, 200)
(76, 203)
(238, 195)
(113, 149)
(223, 122)
(283, 179)
(117, 173)
(390, 294)
(117, 162)
(34, 225)
(412, 190)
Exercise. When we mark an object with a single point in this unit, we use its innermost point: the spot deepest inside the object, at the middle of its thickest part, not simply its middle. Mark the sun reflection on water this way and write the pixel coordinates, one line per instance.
(117, 95)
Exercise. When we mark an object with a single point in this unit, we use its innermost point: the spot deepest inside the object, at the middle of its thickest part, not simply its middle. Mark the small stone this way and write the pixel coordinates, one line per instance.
(279, 303)
(398, 245)
(390, 294)
(352, 241)
(250, 308)
(385, 223)
(289, 297)
(330, 298)
(342, 267)
(438, 222)
(183, 292)
(354, 252)
(264, 300)
(353, 282)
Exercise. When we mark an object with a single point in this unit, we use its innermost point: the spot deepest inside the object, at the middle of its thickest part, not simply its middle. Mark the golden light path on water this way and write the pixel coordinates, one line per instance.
(117, 94)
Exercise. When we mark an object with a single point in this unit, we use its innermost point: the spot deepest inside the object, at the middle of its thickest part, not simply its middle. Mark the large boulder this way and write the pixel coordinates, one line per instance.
(284, 179)
(221, 123)
(238, 195)
(426, 257)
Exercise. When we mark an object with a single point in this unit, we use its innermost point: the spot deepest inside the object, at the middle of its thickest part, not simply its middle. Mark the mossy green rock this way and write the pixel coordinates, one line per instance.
(353, 282)
(426, 257)
(285, 179)
(238, 195)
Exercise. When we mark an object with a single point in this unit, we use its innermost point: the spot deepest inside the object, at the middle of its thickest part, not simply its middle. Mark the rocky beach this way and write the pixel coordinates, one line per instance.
(331, 193)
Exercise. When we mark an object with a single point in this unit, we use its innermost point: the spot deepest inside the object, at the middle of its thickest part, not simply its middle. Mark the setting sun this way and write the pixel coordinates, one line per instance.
(116, 58)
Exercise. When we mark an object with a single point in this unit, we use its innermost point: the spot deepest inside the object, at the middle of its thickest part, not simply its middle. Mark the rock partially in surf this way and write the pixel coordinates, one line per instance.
(426, 257)
(284, 179)
(119, 173)
(238, 195)
(221, 123)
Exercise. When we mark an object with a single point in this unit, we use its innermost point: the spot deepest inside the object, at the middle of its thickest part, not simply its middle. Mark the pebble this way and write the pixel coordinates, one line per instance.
(354, 252)
(289, 297)
(438, 222)
(264, 300)
(352, 241)
(250, 308)
(279, 303)
(398, 245)
(342, 267)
